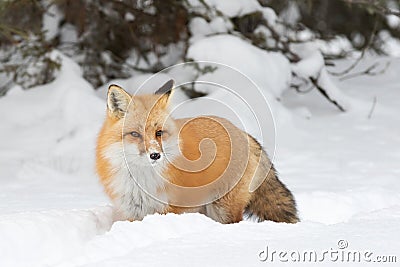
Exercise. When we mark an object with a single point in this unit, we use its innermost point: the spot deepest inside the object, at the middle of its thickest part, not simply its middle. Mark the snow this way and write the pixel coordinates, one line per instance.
(129, 16)
(199, 27)
(44, 132)
(270, 71)
(234, 8)
(51, 20)
(341, 167)
(68, 34)
(390, 46)
(43, 238)
(291, 14)
(393, 21)
(312, 65)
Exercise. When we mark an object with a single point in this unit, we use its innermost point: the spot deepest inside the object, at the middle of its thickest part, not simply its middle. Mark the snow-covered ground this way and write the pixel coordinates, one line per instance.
(343, 169)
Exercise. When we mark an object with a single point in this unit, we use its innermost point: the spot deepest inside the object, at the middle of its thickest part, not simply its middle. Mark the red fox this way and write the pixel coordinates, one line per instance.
(151, 163)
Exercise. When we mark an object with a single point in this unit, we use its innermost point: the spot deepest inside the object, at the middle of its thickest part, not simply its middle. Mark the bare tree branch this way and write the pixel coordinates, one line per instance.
(371, 71)
(352, 66)
(372, 108)
(376, 6)
(325, 94)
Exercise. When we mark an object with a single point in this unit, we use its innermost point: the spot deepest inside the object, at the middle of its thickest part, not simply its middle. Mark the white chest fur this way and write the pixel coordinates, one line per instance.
(138, 188)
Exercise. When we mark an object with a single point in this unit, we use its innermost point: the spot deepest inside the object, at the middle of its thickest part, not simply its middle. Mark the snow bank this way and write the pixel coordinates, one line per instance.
(193, 239)
(126, 238)
(50, 134)
(46, 238)
(312, 66)
(270, 71)
(59, 118)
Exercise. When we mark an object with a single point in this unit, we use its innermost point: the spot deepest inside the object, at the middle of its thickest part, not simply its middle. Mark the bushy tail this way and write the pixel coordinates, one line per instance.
(272, 201)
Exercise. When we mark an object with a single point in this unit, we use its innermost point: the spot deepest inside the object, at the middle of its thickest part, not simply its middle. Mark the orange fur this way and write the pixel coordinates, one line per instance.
(217, 160)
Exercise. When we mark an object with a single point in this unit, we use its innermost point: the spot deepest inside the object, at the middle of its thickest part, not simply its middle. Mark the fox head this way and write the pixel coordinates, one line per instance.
(143, 125)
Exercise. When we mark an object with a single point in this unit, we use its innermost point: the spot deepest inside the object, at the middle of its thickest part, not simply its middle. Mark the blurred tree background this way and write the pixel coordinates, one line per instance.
(118, 38)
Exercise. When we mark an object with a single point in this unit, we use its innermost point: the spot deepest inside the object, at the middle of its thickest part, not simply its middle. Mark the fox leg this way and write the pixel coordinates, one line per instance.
(230, 207)
(224, 214)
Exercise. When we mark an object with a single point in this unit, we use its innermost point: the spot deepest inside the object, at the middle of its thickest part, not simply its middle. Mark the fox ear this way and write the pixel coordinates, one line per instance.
(117, 101)
(166, 88)
(166, 91)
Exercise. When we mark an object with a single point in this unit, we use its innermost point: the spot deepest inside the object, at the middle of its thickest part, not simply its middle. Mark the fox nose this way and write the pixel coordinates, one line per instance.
(155, 156)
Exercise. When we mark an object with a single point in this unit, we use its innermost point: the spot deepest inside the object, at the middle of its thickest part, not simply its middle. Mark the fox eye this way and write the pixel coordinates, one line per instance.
(159, 133)
(135, 134)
